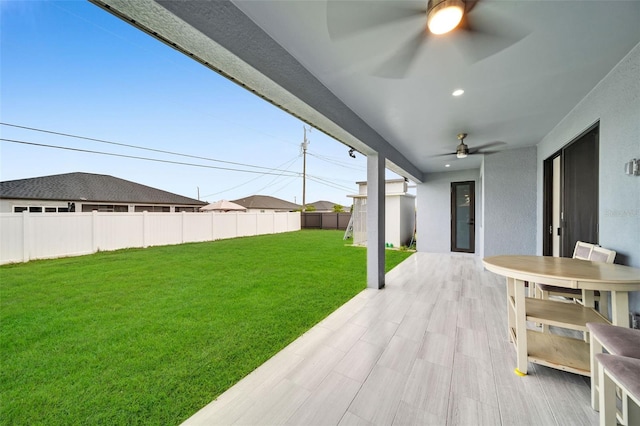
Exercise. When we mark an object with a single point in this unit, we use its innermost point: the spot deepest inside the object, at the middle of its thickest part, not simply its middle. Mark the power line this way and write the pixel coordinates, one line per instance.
(253, 179)
(293, 174)
(291, 163)
(328, 183)
(337, 163)
(133, 146)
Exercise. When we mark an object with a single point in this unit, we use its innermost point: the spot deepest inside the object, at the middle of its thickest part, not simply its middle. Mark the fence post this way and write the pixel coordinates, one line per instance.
(94, 231)
(25, 236)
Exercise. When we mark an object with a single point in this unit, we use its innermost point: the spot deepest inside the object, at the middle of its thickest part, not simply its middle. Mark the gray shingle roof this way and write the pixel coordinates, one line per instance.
(89, 187)
(323, 205)
(266, 202)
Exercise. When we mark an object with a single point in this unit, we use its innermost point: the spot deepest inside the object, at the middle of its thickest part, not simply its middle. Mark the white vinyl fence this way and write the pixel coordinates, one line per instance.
(26, 236)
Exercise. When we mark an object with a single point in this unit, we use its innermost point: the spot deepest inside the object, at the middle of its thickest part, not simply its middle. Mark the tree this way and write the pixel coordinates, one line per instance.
(338, 208)
(310, 208)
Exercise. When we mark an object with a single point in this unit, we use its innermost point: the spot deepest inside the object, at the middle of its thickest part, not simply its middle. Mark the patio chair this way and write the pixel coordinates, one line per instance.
(615, 340)
(583, 251)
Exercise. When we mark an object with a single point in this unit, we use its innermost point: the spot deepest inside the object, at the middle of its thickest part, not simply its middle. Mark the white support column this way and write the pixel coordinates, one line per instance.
(375, 221)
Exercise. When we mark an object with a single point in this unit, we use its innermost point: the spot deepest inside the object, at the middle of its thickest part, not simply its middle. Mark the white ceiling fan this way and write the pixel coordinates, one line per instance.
(462, 150)
(479, 37)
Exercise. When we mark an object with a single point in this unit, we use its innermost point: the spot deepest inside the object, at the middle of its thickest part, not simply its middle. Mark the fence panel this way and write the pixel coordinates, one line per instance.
(12, 238)
(26, 236)
(197, 228)
(49, 234)
(117, 230)
(317, 220)
(162, 229)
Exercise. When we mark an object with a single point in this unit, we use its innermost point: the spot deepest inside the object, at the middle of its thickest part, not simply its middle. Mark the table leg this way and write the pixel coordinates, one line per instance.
(620, 308)
(521, 327)
(511, 315)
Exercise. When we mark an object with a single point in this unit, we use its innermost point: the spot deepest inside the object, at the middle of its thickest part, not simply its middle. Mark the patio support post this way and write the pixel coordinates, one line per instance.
(375, 220)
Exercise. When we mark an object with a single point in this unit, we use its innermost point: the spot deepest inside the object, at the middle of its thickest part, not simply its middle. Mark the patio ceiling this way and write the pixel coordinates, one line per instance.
(330, 64)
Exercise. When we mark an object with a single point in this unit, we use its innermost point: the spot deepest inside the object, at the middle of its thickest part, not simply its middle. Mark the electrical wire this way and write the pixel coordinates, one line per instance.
(157, 160)
(133, 146)
(328, 183)
(335, 162)
(250, 180)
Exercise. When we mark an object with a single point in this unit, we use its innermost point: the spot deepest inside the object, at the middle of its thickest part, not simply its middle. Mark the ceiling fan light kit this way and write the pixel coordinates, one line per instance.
(444, 15)
(462, 150)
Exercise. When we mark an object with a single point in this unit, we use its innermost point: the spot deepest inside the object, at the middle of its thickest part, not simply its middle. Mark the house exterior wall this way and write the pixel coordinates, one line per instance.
(7, 206)
(509, 179)
(615, 103)
(434, 209)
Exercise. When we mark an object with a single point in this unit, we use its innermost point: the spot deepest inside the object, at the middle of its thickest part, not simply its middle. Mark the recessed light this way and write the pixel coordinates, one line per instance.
(458, 92)
(447, 165)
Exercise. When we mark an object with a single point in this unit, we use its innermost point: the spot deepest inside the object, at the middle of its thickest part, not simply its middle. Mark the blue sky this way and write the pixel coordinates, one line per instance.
(70, 67)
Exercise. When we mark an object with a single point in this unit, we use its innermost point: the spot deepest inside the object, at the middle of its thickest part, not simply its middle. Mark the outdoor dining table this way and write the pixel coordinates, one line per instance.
(552, 350)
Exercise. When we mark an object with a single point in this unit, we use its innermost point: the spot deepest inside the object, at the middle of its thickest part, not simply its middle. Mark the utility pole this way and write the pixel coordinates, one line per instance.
(304, 146)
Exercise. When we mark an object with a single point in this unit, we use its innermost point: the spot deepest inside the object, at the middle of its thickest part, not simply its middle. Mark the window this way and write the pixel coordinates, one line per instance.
(105, 208)
(35, 209)
(50, 210)
(161, 209)
(17, 209)
(185, 209)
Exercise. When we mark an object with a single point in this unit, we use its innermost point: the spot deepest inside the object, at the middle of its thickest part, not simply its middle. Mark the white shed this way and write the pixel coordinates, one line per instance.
(399, 213)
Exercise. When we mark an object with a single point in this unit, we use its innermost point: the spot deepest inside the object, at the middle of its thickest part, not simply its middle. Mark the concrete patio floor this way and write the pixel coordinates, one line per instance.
(430, 348)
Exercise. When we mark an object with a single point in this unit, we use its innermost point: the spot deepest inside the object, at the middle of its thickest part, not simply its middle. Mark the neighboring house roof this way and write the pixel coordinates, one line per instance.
(266, 202)
(89, 187)
(323, 205)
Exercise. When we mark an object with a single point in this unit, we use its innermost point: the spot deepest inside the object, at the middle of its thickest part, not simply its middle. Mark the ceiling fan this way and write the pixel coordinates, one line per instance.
(478, 36)
(462, 150)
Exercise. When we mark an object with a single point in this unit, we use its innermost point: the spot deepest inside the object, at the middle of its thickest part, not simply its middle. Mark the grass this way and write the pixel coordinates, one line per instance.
(150, 336)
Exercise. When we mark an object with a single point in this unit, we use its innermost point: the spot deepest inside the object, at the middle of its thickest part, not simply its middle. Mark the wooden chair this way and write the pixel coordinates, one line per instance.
(585, 251)
(615, 340)
(582, 251)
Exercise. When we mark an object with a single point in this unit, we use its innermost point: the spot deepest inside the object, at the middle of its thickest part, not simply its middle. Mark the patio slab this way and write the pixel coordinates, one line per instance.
(430, 348)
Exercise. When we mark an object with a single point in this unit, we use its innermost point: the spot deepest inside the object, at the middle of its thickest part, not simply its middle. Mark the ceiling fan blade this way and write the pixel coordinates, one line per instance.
(479, 149)
(399, 64)
(444, 155)
(348, 18)
(479, 38)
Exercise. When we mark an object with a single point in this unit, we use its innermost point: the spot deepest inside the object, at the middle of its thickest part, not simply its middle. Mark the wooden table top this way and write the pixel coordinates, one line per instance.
(566, 272)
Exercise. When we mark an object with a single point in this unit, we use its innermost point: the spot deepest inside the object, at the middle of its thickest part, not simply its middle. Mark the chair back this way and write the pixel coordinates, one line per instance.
(599, 254)
(583, 250)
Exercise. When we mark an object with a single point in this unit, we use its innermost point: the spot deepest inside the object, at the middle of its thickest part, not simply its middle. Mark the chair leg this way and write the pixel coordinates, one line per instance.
(607, 397)
(632, 413)
(595, 347)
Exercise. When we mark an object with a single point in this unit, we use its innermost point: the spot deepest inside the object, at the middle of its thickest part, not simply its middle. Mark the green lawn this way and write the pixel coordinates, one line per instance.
(149, 336)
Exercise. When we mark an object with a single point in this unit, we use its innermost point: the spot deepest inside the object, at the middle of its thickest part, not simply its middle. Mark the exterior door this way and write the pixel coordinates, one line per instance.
(571, 195)
(463, 223)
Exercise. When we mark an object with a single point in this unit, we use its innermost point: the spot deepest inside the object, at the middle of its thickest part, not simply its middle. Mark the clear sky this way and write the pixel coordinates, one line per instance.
(70, 67)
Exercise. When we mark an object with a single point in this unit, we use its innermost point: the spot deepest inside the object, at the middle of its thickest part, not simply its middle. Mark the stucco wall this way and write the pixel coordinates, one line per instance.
(510, 202)
(615, 102)
(434, 209)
